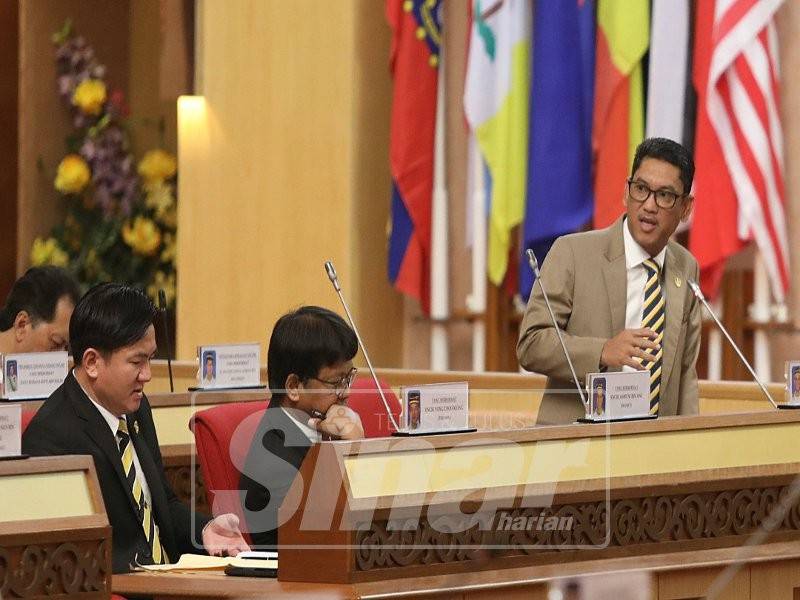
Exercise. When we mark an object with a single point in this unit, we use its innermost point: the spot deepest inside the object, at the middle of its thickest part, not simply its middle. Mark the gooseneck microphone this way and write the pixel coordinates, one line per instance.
(534, 264)
(335, 281)
(162, 305)
(699, 294)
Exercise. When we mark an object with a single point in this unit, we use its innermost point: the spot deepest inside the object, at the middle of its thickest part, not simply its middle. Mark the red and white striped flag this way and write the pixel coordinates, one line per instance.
(739, 144)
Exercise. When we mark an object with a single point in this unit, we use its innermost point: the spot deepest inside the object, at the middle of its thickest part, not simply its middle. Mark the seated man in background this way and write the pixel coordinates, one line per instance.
(310, 370)
(35, 317)
(101, 410)
(620, 295)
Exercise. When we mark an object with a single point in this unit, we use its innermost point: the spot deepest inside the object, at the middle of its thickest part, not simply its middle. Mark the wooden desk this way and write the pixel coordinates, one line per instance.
(767, 572)
(54, 535)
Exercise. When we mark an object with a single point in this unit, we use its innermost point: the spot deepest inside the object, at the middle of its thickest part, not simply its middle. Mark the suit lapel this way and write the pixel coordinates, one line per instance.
(98, 430)
(616, 278)
(674, 297)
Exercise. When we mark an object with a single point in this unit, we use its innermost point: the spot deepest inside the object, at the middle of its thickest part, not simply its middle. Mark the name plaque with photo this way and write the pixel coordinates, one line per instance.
(618, 396)
(435, 408)
(10, 430)
(33, 375)
(793, 383)
(229, 366)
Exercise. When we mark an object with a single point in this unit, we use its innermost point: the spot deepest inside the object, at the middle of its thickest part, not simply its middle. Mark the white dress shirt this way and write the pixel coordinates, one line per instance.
(635, 255)
(113, 424)
(313, 435)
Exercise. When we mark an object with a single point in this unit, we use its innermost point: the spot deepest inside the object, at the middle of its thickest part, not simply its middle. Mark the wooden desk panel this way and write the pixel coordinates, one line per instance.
(69, 555)
(770, 572)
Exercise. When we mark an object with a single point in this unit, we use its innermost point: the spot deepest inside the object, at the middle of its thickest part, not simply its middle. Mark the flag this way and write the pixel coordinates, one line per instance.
(496, 105)
(560, 196)
(414, 64)
(739, 144)
(668, 69)
(623, 33)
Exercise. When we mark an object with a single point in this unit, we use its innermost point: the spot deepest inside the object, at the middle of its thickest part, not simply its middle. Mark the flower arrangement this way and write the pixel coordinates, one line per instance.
(121, 216)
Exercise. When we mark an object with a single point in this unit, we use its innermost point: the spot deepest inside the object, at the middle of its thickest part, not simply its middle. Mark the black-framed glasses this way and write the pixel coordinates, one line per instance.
(340, 386)
(640, 192)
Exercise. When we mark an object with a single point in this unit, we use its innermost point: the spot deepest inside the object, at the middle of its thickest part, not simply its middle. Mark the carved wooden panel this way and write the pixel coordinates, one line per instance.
(595, 525)
(179, 477)
(77, 569)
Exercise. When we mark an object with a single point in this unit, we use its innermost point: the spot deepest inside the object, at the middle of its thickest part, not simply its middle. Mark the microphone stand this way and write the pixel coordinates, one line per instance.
(534, 264)
(699, 294)
(335, 281)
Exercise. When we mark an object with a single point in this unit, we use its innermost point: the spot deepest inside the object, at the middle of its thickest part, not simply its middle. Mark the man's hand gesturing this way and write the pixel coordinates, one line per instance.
(627, 348)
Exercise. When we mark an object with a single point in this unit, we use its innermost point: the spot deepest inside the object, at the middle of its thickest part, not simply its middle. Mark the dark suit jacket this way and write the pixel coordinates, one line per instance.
(68, 423)
(586, 280)
(275, 456)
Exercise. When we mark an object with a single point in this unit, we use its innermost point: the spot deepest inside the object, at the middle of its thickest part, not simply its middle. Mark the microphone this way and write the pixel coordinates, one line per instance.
(162, 304)
(699, 294)
(335, 281)
(534, 264)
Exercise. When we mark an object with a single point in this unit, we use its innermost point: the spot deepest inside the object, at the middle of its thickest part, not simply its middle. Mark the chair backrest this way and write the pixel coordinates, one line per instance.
(366, 401)
(223, 436)
(27, 416)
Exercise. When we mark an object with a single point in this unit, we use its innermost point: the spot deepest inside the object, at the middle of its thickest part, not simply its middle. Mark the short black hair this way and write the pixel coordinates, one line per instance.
(303, 342)
(37, 293)
(109, 317)
(669, 151)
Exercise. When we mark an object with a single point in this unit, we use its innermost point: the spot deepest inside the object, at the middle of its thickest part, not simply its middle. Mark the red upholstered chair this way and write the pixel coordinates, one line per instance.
(27, 416)
(366, 401)
(223, 435)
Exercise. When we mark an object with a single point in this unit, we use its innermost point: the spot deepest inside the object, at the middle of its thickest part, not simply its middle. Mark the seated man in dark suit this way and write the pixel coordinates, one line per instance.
(35, 317)
(310, 370)
(101, 410)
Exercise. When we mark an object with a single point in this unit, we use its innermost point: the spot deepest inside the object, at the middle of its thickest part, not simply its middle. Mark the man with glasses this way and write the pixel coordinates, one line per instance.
(310, 371)
(620, 295)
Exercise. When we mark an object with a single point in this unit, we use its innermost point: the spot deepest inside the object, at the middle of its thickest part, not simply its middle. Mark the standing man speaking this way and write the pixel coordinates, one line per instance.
(620, 296)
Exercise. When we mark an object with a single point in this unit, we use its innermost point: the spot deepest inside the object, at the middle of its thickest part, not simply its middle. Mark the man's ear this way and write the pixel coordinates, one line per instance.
(293, 387)
(21, 322)
(91, 363)
(688, 205)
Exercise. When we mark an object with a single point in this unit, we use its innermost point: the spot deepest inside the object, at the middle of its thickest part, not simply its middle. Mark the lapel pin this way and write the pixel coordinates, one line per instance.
(136, 424)
(678, 282)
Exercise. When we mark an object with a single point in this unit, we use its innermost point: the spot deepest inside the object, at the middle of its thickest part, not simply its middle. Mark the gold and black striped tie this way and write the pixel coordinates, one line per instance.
(145, 513)
(653, 316)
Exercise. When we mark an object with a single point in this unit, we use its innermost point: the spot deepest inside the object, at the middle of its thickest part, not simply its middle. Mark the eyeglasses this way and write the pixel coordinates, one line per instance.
(340, 386)
(640, 192)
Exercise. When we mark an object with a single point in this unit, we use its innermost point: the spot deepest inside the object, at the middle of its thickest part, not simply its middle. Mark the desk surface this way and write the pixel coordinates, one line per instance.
(217, 585)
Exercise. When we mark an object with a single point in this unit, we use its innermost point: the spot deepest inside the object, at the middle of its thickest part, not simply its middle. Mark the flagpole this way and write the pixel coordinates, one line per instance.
(759, 313)
(476, 300)
(440, 309)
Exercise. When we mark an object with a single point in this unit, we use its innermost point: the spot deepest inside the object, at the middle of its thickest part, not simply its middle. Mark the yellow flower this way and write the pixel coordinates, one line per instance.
(48, 252)
(73, 174)
(170, 249)
(159, 197)
(89, 96)
(157, 165)
(162, 282)
(143, 236)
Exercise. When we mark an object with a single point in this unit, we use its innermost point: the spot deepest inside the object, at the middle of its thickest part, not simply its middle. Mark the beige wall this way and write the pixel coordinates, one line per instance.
(290, 170)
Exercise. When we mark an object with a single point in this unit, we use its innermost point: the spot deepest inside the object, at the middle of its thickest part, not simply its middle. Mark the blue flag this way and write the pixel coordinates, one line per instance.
(559, 191)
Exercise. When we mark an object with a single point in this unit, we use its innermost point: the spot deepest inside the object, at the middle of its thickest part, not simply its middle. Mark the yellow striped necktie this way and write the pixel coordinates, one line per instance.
(653, 316)
(145, 513)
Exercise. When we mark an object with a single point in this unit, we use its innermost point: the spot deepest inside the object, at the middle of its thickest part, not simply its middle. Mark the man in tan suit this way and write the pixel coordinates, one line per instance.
(596, 284)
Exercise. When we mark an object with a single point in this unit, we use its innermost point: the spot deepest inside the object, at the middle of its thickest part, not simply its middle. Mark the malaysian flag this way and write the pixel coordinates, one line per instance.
(739, 145)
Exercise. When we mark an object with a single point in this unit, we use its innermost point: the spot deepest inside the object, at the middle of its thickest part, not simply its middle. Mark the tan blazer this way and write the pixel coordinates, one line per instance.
(586, 280)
